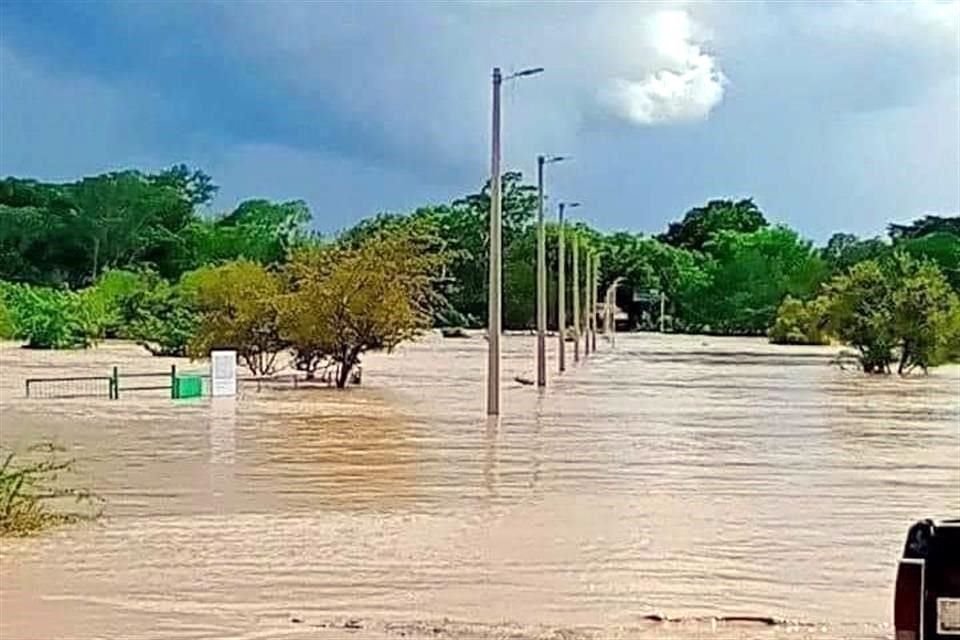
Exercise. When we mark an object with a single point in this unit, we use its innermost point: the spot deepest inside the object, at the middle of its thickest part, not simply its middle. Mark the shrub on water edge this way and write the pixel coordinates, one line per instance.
(49, 318)
(162, 319)
(106, 300)
(7, 329)
(798, 322)
(898, 308)
(925, 314)
(237, 309)
(29, 483)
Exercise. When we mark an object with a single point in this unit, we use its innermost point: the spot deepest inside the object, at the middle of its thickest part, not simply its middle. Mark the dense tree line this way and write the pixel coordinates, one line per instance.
(132, 254)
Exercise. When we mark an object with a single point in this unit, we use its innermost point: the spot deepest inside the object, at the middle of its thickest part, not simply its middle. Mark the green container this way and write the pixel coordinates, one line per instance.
(188, 387)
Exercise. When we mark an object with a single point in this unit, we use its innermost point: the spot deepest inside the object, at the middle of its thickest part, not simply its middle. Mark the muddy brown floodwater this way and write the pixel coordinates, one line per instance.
(684, 476)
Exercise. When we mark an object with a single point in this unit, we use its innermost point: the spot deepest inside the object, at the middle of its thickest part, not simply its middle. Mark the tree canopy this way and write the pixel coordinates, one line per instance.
(138, 255)
(701, 224)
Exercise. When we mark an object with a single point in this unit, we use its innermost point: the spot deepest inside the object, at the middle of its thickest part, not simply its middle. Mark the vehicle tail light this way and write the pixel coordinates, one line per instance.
(908, 600)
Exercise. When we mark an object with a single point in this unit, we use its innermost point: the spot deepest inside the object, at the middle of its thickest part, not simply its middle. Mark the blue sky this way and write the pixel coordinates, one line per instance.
(832, 116)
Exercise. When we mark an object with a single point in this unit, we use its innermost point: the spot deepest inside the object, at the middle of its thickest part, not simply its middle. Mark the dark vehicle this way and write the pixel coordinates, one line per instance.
(927, 601)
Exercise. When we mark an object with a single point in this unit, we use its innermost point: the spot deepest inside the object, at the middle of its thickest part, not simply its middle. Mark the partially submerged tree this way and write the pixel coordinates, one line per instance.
(237, 303)
(798, 322)
(347, 301)
(901, 308)
(162, 319)
(857, 309)
(925, 314)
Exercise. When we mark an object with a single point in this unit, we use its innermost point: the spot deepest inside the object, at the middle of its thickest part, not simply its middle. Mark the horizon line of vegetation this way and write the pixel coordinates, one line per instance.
(129, 255)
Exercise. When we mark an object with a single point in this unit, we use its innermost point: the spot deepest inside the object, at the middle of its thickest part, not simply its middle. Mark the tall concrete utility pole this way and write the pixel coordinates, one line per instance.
(542, 273)
(663, 305)
(493, 303)
(494, 318)
(587, 301)
(575, 290)
(594, 283)
(561, 293)
(562, 285)
(541, 281)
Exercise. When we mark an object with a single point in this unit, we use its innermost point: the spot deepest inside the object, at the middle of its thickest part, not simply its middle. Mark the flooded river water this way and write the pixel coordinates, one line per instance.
(684, 476)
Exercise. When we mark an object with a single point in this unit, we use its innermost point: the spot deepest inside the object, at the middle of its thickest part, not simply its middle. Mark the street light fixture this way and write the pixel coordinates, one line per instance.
(542, 273)
(532, 71)
(494, 319)
(562, 286)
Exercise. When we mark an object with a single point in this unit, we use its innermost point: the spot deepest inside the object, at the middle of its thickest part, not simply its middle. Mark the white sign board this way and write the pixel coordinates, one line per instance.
(223, 373)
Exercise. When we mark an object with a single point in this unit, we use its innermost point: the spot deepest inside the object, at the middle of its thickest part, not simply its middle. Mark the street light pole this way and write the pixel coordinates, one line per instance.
(541, 281)
(493, 303)
(586, 302)
(561, 292)
(663, 304)
(576, 297)
(494, 318)
(542, 274)
(594, 283)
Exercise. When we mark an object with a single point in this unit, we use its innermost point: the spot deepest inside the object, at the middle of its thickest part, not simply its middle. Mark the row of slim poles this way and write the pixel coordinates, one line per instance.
(591, 272)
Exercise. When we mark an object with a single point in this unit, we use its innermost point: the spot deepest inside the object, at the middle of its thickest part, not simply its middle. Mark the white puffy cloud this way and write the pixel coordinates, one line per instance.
(686, 86)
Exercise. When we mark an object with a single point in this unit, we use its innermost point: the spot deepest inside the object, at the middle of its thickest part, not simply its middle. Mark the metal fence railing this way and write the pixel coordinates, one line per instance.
(109, 386)
(72, 387)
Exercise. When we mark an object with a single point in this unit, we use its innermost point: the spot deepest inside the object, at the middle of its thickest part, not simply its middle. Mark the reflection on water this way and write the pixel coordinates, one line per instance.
(682, 475)
(223, 426)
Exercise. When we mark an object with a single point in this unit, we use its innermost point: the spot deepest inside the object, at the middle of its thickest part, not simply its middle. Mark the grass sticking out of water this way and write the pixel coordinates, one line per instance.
(34, 488)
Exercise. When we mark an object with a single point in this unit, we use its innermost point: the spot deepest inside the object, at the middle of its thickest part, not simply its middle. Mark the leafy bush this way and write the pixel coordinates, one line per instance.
(942, 248)
(858, 312)
(346, 301)
(49, 318)
(901, 306)
(925, 312)
(237, 302)
(798, 323)
(107, 299)
(8, 330)
(162, 319)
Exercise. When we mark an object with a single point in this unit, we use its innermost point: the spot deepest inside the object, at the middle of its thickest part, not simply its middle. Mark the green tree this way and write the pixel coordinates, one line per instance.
(48, 318)
(346, 301)
(464, 226)
(193, 186)
(257, 230)
(857, 309)
(8, 330)
(71, 232)
(749, 275)
(518, 206)
(701, 224)
(237, 305)
(107, 299)
(123, 220)
(161, 318)
(940, 247)
(844, 250)
(925, 226)
(925, 311)
(520, 282)
(898, 306)
(34, 236)
(798, 322)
